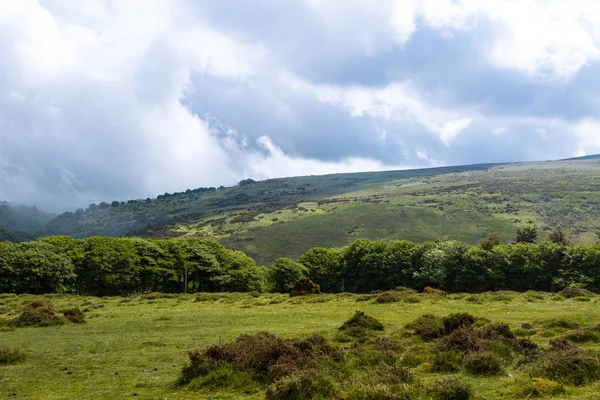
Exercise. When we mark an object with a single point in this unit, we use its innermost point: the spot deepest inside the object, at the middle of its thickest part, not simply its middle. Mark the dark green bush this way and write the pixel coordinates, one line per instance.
(38, 303)
(10, 356)
(583, 336)
(446, 362)
(570, 292)
(560, 323)
(462, 339)
(453, 322)
(304, 385)
(74, 315)
(568, 364)
(39, 316)
(427, 326)
(264, 355)
(303, 287)
(483, 363)
(388, 297)
(450, 389)
(538, 387)
(500, 331)
(360, 324)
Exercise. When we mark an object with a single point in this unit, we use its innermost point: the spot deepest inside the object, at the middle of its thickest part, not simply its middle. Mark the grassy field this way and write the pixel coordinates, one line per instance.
(137, 346)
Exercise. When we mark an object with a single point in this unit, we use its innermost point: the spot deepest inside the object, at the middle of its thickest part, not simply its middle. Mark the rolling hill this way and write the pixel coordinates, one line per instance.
(20, 221)
(285, 217)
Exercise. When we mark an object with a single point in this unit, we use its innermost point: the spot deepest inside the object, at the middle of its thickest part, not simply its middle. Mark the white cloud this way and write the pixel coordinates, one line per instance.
(279, 164)
(396, 102)
(588, 133)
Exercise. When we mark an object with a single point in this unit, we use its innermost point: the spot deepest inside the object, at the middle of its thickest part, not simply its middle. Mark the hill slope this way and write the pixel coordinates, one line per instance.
(17, 217)
(285, 217)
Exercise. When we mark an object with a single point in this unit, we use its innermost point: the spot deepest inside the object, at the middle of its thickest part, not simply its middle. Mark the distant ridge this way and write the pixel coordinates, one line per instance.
(583, 158)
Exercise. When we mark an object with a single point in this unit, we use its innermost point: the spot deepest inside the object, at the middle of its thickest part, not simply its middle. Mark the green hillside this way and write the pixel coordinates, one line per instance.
(285, 217)
(26, 219)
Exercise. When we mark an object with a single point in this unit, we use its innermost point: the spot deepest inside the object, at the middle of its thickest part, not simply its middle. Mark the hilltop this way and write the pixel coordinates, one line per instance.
(285, 217)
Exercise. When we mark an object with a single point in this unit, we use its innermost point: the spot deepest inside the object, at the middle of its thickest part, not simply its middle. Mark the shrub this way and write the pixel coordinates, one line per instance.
(499, 331)
(74, 315)
(526, 345)
(428, 327)
(560, 323)
(405, 290)
(412, 300)
(360, 323)
(388, 297)
(39, 316)
(264, 355)
(462, 339)
(483, 363)
(583, 336)
(10, 356)
(301, 386)
(446, 362)
(453, 322)
(303, 287)
(434, 291)
(571, 366)
(395, 374)
(382, 392)
(39, 303)
(538, 387)
(226, 377)
(570, 292)
(450, 389)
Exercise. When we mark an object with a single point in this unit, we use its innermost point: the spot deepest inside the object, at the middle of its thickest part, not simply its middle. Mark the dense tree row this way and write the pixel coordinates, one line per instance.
(366, 266)
(110, 266)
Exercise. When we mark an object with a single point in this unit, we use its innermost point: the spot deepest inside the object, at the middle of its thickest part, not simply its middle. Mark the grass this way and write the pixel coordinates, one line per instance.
(139, 345)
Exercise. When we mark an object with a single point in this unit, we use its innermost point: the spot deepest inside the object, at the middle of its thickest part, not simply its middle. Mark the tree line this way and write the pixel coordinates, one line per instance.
(120, 266)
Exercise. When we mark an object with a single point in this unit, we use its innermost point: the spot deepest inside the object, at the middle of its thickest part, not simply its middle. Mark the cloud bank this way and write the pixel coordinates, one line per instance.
(111, 100)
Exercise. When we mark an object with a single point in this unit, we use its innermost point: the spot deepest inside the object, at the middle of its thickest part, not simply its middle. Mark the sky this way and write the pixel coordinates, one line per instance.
(104, 100)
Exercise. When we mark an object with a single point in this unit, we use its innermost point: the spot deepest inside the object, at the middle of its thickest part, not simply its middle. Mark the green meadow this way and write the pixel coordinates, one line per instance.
(136, 347)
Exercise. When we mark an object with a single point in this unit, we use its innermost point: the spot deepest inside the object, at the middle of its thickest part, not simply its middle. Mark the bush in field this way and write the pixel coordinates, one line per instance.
(462, 339)
(446, 362)
(538, 387)
(10, 356)
(74, 315)
(456, 321)
(38, 313)
(500, 331)
(570, 291)
(428, 327)
(431, 290)
(304, 385)
(583, 336)
(388, 297)
(264, 355)
(360, 324)
(382, 392)
(450, 389)
(560, 323)
(566, 363)
(483, 363)
(303, 287)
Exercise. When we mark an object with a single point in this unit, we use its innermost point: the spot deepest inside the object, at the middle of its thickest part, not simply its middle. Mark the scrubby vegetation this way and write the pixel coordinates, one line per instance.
(10, 356)
(252, 345)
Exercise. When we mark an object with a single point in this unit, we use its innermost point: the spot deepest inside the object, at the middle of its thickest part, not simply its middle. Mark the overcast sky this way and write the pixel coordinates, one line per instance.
(120, 99)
